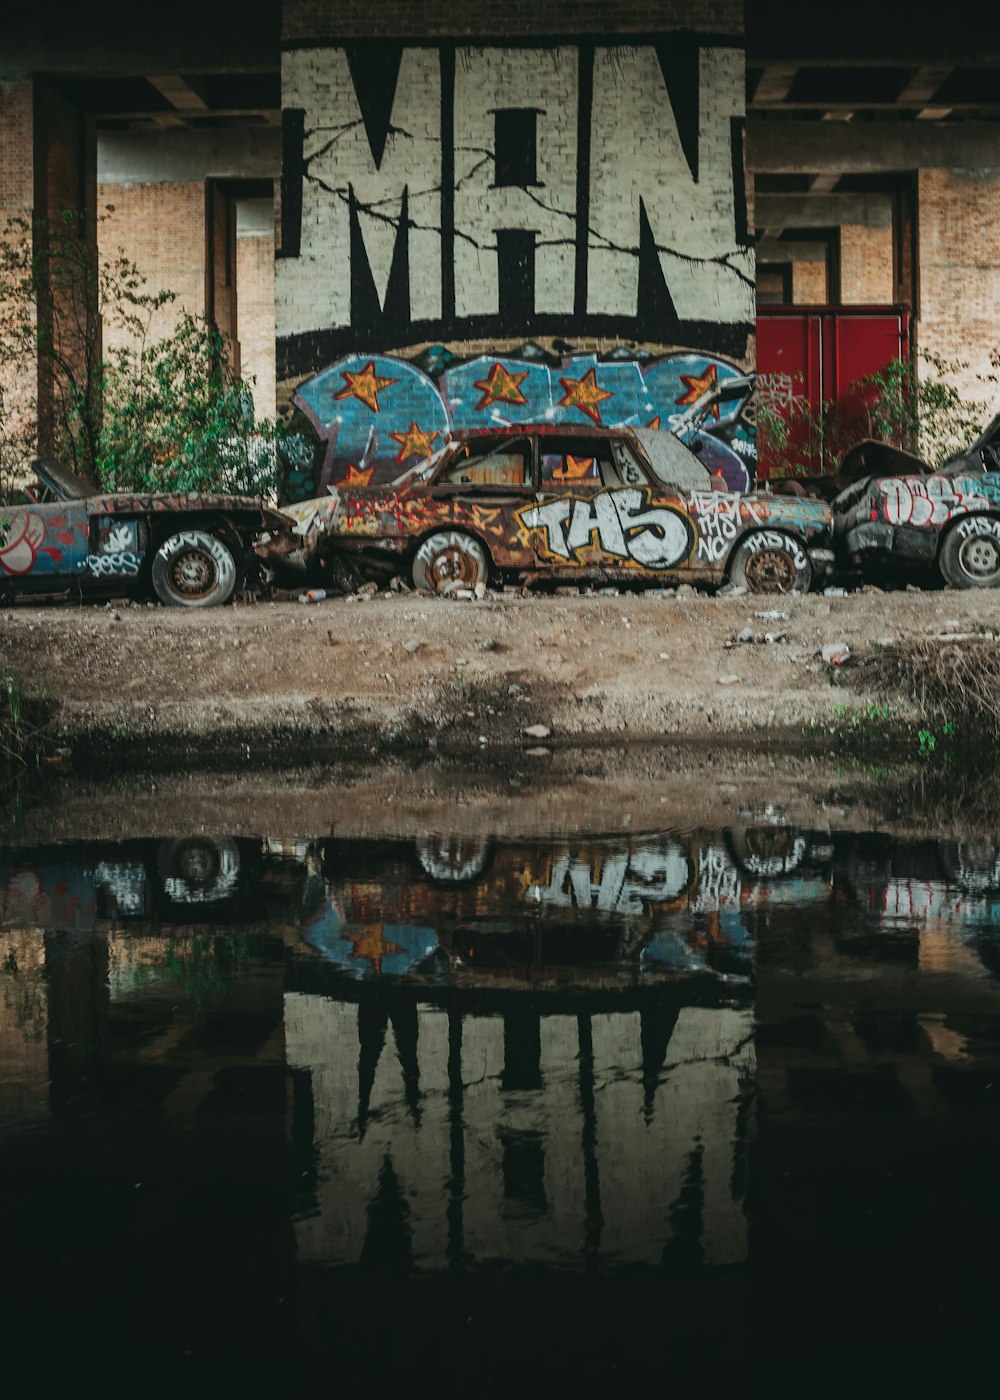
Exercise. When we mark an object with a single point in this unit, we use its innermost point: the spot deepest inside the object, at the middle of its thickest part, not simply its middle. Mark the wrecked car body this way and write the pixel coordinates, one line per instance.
(898, 511)
(566, 504)
(187, 550)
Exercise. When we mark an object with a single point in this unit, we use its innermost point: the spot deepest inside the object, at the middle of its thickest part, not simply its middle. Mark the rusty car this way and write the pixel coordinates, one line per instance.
(899, 511)
(69, 538)
(566, 504)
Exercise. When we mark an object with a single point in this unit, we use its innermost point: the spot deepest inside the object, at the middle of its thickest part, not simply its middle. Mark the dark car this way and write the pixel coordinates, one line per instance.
(567, 504)
(189, 550)
(900, 511)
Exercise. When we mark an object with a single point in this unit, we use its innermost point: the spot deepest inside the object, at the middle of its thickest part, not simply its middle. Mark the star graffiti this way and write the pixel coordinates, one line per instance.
(698, 384)
(371, 944)
(414, 442)
(357, 476)
(585, 394)
(365, 386)
(500, 386)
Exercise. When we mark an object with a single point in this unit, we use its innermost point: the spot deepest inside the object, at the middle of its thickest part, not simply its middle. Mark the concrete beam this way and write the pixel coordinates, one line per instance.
(120, 38)
(925, 83)
(775, 82)
(159, 157)
(771, 250)
(822, 210)
(178, 92)
(861, 147)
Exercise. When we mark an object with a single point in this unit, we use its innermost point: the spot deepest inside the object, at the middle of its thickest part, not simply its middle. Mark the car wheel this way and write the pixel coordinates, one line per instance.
(770, 561)
(449, 561)
(970, 553)
(194, 570)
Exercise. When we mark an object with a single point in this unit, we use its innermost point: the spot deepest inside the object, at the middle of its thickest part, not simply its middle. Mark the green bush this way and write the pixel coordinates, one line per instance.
(152, 414)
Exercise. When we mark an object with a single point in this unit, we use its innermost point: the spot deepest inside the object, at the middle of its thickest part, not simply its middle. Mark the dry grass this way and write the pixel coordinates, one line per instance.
(957, 682)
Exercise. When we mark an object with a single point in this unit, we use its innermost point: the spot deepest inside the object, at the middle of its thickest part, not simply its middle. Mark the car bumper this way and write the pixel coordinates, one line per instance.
(878, 537)
(823, 562)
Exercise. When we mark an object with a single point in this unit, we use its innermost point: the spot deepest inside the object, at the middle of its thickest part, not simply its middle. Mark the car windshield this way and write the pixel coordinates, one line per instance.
(62, 481)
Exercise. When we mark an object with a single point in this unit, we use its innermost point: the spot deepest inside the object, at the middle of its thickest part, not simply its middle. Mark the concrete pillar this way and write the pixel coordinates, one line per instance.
(47, 171)
(809, 284)
(18, 386)
(959, 275)
(161, 229)
(255, 299)
(866, 265)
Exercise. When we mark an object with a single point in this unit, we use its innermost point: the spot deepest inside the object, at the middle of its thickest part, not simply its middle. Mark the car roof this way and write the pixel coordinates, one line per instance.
(543, 430)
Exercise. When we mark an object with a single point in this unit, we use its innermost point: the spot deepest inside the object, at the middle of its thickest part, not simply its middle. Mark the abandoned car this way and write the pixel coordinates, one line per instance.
(565, 504)
(188, 550)
(900, 511)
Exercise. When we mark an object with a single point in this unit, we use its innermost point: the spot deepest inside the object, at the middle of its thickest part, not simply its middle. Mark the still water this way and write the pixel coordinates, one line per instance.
(673, 1109)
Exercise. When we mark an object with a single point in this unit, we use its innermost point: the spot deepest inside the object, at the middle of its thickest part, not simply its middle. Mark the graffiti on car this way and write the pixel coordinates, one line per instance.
(625, 523)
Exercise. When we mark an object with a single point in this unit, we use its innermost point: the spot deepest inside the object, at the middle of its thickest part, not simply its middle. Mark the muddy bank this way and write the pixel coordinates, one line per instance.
(610, 790)
(403, 673)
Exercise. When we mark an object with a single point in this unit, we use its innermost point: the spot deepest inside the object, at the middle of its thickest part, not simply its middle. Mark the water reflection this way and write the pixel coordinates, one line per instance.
(463, 1058)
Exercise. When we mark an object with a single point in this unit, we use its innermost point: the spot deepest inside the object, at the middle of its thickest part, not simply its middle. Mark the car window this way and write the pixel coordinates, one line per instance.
(577, 463)
(499, 464)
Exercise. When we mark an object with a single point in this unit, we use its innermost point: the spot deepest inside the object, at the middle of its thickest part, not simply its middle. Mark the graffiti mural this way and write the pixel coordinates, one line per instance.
(376, 416)
(485, 236)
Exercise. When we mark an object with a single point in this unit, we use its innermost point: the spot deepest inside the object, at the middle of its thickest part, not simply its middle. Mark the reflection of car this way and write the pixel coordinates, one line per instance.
(901, 510)
(566, 503)
(190, 550)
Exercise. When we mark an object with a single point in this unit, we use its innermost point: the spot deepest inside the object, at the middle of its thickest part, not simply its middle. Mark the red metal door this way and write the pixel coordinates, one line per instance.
(809, 365)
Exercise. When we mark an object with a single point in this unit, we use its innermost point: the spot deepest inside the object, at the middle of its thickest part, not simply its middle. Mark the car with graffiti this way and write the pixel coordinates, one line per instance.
(944, 523)
(186, 550)
(564, 504)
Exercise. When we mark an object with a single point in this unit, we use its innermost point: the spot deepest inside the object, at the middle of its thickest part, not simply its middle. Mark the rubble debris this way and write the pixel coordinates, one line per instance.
(411, 645)
(835, 653)
(745, 635)
(728, 680)
(313, 595)
(537, 731)
(773, 615)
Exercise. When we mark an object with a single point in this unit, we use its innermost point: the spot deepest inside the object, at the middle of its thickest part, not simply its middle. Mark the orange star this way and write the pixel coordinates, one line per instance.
(372, 945)
(585, 394)
(574, 468)
(414, 443)
(501, 386)
(698, 384)
(654, 422)
(364, 386)
(357, 476)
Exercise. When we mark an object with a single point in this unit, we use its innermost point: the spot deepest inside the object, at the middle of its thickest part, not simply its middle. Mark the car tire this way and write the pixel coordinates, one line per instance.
(193, 569)
(448, 562)
(771, 561)
(970, 553)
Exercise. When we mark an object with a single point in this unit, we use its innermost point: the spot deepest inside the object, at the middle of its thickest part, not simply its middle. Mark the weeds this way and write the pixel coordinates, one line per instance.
(954, 687)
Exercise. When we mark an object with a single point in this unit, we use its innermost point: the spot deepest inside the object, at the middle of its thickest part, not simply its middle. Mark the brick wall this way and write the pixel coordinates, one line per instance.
(255, 301)
(809, 284)
(332, 19)
(959, 278)
(508, 214)
(866, 265)
(161, 228)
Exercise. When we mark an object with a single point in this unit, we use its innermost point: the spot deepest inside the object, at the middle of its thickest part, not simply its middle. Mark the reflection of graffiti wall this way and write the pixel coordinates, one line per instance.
(391, 1120)
(482, 235)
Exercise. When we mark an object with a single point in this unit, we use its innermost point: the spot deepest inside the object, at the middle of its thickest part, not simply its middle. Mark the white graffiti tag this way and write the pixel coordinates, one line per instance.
(930, 500)
(719, 520)
(114, 565)
(774, 539)
(657, 538)
(621, 883)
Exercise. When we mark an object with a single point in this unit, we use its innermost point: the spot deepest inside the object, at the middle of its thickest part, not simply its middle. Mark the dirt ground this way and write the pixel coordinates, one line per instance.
(409, 672)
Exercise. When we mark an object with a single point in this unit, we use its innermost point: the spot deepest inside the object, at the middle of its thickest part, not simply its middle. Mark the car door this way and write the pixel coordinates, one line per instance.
(598, 511)
(484, 483)
(42, 545)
